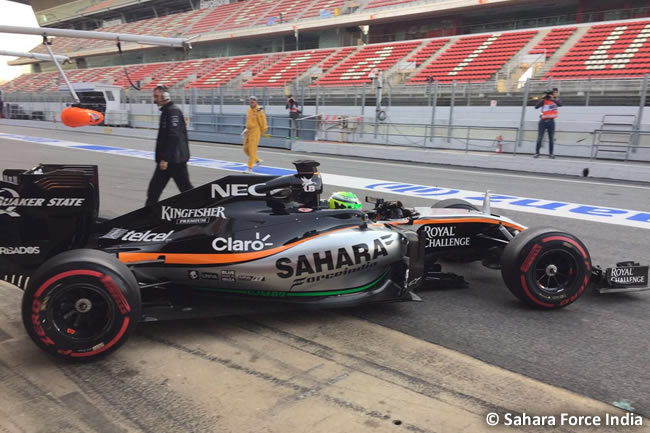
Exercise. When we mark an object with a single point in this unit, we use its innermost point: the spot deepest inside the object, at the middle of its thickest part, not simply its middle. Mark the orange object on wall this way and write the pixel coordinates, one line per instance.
(75, 117)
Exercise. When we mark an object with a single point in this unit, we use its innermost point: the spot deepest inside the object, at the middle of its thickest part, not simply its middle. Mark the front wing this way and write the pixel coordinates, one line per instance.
(622, 277)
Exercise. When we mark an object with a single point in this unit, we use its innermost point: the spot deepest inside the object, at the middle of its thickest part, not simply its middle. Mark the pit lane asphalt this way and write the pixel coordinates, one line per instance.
(598, 347)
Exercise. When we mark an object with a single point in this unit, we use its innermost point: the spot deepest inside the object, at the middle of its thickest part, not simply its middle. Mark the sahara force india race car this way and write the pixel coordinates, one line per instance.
(250, 244)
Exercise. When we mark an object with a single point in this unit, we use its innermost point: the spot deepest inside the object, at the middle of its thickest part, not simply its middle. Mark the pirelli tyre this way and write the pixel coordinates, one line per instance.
(546, 268)
(454, 203)
(81, 305)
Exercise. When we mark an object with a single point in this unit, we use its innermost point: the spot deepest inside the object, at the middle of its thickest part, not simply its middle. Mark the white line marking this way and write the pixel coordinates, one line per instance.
(403, 165)
(622, 217)
(452, 170)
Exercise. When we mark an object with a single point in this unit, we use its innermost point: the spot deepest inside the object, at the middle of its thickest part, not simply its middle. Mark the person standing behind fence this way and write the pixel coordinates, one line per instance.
(549, 105)
(255, 126)
(172, 148)
(294, 114)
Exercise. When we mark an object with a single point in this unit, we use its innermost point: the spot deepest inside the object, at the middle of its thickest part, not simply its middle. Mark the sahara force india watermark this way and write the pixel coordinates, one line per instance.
(564, 419)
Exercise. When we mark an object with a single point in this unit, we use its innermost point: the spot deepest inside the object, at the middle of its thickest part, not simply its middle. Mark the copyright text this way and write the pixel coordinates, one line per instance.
(563, 419)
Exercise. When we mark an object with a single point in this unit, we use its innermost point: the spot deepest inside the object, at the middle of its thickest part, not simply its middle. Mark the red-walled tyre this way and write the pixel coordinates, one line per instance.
(81, 305)
(546, 268)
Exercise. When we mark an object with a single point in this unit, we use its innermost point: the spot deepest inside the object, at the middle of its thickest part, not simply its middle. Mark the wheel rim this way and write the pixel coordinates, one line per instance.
(80, 312)
(555, 271)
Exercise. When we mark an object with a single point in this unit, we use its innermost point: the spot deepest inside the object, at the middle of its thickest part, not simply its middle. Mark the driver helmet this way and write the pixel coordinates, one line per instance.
(343, 200)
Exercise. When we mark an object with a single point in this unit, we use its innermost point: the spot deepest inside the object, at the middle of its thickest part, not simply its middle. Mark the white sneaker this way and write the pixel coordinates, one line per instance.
(258, 163)
(248, 171)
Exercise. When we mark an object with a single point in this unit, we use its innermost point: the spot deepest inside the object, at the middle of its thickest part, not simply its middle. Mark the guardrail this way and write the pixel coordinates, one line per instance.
(354, 129)
(633, 144)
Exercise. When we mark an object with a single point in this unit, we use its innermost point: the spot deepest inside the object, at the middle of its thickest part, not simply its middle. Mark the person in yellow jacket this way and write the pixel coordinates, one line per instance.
(255, 127)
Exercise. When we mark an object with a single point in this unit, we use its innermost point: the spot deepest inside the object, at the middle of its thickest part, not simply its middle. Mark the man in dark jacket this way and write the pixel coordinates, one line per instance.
(172, 149)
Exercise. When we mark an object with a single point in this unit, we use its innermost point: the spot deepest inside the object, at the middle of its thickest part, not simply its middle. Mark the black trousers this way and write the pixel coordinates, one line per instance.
(295, 125)
(160, 178)
(545, 125)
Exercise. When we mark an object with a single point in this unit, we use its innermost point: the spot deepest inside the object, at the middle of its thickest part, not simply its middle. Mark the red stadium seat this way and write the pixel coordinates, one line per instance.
(323, 6)
(487, 52)
(225, 72)
(288, 68)
(355, 69)
(606, 51)
(182, 70)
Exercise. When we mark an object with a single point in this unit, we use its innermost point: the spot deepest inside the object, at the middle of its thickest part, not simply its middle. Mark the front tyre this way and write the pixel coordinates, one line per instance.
(81, 304)
(546, 268)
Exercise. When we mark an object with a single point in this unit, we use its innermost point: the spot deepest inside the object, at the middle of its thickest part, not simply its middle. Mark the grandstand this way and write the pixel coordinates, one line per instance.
(573, 50)
(608, 50)
(316, 8)
(209, 21)
(356, 68)
(282, 72)
(475, 58)
(180, 71)
(143, 72)
(428, 51)
(552, 41)
(605, 51)
(227, 71)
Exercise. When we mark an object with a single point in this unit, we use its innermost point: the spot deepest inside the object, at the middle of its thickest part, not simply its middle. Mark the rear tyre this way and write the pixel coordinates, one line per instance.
(546, 268)
(454, 203)
(81, 305)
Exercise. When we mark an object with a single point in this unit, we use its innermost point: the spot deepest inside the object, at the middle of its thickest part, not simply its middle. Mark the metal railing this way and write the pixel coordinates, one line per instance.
(633, 143)
(359, 106)
(504, 92)
(352, 129)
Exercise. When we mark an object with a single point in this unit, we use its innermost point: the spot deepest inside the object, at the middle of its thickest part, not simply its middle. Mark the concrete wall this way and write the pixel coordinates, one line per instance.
(328, 39)
(571, 118)
(601, 169)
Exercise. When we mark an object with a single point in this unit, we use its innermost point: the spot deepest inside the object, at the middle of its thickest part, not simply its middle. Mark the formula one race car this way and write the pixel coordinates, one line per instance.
(245, 244)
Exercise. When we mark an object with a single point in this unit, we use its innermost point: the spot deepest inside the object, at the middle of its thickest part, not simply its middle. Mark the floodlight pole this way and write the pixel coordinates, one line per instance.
(639, 116)
(520, 131)
(47, 32)
(107, 36)
(46, 42)
(33, 55)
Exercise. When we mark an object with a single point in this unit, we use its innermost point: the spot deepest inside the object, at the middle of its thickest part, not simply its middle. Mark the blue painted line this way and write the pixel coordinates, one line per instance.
(96, 147)
(622, 217)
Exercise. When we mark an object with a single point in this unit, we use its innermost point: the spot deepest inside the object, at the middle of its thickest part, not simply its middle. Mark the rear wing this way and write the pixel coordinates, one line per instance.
(45, 210)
